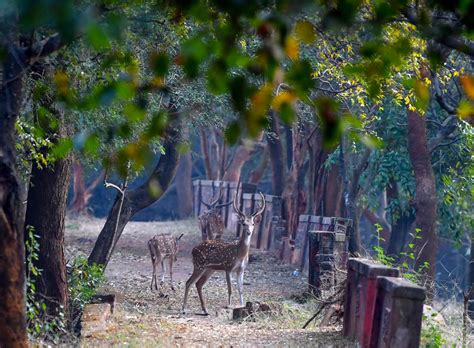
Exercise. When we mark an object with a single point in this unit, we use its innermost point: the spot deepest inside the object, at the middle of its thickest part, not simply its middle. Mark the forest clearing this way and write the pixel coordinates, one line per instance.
(152, 318)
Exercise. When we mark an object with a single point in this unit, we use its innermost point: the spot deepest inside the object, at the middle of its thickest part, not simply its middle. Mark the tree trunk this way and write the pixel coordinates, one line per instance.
(203, 136)
(425, 193)
(353, 195)
(471, 280)
(184, 189)
(276, 155)
(241, 156)
(257, 174)
(46, 212)
(82, 194)
(291, 194)
(141, 197)
(402, 222)
(12, 272)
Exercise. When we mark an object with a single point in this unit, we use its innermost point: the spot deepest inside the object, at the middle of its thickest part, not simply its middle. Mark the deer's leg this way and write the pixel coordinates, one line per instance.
(164, 271)
(153, 275)
(199, 284)
(229, 287)
(171, 272)
(197, 273)
(240, 283)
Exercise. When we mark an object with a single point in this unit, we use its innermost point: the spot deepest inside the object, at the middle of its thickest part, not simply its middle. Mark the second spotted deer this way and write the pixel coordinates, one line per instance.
(163, 246)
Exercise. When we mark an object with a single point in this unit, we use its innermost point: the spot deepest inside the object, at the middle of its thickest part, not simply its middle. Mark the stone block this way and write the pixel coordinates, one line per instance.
(94, 318)
(398, 313)
(361, 291)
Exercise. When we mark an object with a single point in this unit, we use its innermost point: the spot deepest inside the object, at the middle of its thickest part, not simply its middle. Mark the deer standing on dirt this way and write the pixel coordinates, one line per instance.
(217, 255)
(163, 246)
(212, 226)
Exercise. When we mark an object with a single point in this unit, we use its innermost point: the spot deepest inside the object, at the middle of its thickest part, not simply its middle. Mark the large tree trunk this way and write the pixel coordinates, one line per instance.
(46, 212)
(276, 155)
(353, 195)
(206, 154)
(471, 280)
(291, 194)
(141, 197)
(402, 222)
(241, 156)
(184, 189)
(81, 193)
(426, 202)
(12, 272)
(256, 175)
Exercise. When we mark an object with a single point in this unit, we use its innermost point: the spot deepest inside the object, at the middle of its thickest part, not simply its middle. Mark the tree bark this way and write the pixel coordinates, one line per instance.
(276, 155)
(12, 272)
(203, 136)
(257, 174)
(184, 189)
(241, 156)
(425, 193)
(46, 212)
(82, 194)
(353, 195)
(141, 197)
(402, 222)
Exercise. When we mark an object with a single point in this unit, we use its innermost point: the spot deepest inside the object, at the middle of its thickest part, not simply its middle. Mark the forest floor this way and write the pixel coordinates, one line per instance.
(149, 318)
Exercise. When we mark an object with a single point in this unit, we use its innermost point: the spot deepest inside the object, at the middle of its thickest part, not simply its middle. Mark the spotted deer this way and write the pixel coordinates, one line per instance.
(211, 223)
(217, 255)
(163, 246)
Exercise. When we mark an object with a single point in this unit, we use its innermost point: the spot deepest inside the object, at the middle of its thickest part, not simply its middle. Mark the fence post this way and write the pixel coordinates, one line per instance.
(398, 313)
(359, 303)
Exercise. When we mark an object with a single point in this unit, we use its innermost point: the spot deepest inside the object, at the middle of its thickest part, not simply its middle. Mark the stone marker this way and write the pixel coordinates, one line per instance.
(398, 313)
(94, 318)
(361, 292)
(249, 309)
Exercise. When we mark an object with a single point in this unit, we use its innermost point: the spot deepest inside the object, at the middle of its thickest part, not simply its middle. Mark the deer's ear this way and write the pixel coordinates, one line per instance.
(257, 219)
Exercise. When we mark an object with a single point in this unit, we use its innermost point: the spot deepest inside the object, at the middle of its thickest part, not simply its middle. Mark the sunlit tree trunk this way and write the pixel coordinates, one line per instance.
(426, 202)
(12, 272)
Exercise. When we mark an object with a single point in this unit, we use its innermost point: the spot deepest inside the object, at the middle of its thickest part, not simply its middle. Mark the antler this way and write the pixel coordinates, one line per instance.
(236, 209)
(213, 203)
(262, 207)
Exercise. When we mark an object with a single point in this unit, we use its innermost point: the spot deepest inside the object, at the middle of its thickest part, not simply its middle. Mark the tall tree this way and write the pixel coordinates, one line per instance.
(141, 197)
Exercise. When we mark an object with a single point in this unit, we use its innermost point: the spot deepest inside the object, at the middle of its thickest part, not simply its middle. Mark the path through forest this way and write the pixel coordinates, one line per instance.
(146, 318)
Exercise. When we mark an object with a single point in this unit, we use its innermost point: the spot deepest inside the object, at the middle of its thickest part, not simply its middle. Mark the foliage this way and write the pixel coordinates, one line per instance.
(83, 281)
(431, 335)
(407, 258)
(40, 326)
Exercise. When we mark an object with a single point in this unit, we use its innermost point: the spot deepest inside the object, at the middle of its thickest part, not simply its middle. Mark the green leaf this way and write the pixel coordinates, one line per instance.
(97, 37)
(305, 31)
(232, 133)
(160, 63)
(299, 77)
(62, 148)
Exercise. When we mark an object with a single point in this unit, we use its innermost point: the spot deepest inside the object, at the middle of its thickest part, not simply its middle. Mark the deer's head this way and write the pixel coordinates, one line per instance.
(212, 206)
(248, 221)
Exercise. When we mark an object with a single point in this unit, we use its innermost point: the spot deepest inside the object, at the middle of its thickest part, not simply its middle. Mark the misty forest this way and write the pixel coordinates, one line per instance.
(237, 173)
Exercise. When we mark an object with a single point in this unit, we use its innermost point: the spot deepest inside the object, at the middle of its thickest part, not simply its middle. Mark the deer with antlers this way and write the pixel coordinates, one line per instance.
(217, 255)
(212, 226)
(163, 246)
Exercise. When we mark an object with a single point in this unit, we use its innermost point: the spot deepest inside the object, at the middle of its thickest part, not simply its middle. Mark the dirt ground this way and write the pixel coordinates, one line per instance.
(149, 318)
